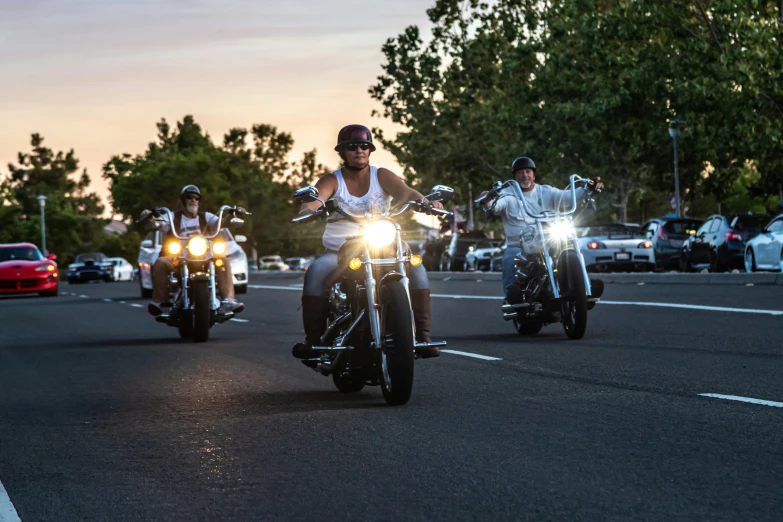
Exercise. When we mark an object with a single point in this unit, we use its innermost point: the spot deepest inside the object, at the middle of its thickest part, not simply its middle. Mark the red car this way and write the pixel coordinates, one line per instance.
(24, 270)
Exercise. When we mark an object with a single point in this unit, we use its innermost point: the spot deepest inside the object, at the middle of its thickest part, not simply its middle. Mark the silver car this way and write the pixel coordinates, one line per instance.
(765, 251)
(615, 246)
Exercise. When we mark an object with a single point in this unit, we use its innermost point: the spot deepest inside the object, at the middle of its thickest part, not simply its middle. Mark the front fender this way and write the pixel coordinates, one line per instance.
(391, 276)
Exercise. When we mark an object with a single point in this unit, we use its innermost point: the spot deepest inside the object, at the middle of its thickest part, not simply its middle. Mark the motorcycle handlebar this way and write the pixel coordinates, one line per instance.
(418, 206)
(574, 179)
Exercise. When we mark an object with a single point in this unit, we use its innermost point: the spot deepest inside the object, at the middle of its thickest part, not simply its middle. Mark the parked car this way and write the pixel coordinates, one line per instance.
(479, 256)
(150, 250)
(297, 263)
(433, 249)
(496, 263)
(453, 257)
(765, 251)
(667, 236)
(719, 244)
(122, 270)
(94, 266)
(615, 246)
(273, 263)
(24, 270)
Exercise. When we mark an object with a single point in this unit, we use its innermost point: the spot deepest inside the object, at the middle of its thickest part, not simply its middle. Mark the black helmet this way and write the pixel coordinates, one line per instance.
(522, 163)
(354, 134)
(189, 189)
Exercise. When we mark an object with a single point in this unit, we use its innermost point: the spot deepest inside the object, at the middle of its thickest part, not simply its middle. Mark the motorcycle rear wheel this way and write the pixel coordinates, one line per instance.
(397, 356)
(201, 311)
(528, 327)
(574, 295)
(347, 383)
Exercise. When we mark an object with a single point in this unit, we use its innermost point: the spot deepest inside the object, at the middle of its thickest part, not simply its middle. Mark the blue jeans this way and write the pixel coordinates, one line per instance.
(508, 267)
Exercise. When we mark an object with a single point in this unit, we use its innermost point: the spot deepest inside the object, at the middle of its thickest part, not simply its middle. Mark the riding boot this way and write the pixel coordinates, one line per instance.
(314, 313)
(420, 302)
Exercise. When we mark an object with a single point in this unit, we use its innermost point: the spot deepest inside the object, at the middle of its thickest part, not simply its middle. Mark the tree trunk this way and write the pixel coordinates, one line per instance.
(620, 200)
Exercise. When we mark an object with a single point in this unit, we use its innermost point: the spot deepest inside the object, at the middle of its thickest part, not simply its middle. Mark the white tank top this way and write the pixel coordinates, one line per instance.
(376, 201)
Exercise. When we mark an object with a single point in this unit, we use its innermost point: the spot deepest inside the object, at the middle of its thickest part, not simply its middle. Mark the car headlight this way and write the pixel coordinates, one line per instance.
(562, 229)
(197, 246)
(380, 233)
(219, 248)
(174, 248)
(45, 268)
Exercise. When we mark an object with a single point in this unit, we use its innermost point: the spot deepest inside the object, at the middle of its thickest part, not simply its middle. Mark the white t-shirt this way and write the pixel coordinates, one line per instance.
(189, 227)
(542, 198)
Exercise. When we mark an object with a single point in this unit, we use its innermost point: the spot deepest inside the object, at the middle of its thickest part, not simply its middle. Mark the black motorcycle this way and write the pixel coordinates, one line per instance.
(370, 337)
(551, 282)
(192, 290)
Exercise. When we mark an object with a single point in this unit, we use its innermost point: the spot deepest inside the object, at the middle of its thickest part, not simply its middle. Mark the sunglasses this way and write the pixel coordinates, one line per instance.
(353, 146)
(190, 196)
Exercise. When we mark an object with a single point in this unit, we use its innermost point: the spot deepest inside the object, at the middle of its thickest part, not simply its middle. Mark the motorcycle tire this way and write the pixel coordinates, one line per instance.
(528, 327)
(574, 295)
(186, 324)
(202, 311)
(396, 365)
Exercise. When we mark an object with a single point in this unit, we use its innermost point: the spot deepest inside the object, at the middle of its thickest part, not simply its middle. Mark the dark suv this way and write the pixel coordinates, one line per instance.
(719, 244)
(453, 257)
(667, 236)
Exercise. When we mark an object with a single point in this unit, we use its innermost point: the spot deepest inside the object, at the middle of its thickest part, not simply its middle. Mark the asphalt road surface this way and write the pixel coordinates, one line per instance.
(107, 415)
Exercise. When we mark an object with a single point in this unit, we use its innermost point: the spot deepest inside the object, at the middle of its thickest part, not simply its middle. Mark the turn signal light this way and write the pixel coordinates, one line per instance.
(592, 245)
(174, 248)
(645, 244)
(219, 263)
(415, 260)
(219, 248)
(355, 263)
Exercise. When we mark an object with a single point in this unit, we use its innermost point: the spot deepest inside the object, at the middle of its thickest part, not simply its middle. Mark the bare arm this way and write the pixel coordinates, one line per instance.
(397, 189)
(326, 186)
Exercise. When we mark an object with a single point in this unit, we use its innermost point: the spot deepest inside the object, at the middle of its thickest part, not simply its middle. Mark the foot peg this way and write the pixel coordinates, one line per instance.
(162, 318)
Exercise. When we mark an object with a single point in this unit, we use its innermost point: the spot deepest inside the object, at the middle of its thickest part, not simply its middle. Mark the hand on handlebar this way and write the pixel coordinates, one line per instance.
(595, 185)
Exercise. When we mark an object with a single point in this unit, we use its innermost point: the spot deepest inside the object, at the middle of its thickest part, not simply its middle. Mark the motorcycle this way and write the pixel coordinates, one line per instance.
(551, 279)
(192, 290)
(370, 334)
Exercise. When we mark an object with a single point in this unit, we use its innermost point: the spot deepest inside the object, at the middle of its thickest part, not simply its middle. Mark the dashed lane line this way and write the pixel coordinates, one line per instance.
(7, 510)
(474, 355)
(742, 399)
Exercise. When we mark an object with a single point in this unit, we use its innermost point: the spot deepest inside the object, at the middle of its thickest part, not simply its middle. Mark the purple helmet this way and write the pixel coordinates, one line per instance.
(354, 134)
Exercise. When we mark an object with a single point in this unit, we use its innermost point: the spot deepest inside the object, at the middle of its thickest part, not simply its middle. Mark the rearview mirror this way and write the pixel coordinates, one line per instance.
(236, 222)
(51, 257)
(306, 194)
(240, 239)
(441, 193)
(147, 243)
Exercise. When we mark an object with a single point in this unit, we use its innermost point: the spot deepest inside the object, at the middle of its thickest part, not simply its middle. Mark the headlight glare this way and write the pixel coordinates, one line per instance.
(219, 248)
(380, 234)
(174, 248)
(562, 229)
(197, 246)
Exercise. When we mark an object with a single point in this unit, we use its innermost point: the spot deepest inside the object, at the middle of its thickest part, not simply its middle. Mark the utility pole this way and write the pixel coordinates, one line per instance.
(674, 131)
(470, 206)
(42, 202)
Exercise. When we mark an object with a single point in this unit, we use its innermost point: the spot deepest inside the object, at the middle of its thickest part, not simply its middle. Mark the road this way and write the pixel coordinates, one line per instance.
(107, 415)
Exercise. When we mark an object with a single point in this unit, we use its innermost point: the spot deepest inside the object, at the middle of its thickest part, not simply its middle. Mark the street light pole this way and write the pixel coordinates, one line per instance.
(470, 205)
(674, 131)
(42, 202)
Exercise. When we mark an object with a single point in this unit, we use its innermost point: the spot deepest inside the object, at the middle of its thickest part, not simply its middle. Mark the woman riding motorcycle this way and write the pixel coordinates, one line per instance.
(357, 187)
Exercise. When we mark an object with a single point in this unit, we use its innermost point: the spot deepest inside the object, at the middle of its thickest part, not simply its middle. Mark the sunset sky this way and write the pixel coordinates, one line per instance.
(97, 75)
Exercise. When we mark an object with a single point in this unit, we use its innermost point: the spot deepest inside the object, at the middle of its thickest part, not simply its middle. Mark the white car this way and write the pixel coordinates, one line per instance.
(765, 251)
(479, 256)
(273, 263)
(122, 270)
(615, 246)
(150, 250)
(297, 263)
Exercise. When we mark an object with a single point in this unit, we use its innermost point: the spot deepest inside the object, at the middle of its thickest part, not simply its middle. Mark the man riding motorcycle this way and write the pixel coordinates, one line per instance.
(189, 222)
(357, 187)
(539, 198)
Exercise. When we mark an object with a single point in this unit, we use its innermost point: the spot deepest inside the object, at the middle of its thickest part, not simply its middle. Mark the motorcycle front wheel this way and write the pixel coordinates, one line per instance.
(201, 311)
(396, 365)
(574, 295)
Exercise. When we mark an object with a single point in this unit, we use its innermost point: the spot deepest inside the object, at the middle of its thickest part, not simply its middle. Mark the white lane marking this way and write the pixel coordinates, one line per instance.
(270, 287)
(474, 355)
(134, 305)
(122, 302)
(297, 286)
(742, 399)
(84, 296)
(626, 303)
(696, 307)
(240, 320)
(107, 299)
(7, 510)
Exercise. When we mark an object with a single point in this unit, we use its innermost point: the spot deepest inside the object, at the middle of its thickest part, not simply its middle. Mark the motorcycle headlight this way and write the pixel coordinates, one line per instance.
(562, 230)
(197, 246)
(380, 233)
(219, 248)
(174, 248)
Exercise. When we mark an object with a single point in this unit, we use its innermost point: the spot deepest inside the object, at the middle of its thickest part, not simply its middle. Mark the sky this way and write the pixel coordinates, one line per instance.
(97, 75)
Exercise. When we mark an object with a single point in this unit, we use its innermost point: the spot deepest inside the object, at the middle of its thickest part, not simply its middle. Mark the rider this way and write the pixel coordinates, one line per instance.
(189, 222)
(539, 198)
(357, 187)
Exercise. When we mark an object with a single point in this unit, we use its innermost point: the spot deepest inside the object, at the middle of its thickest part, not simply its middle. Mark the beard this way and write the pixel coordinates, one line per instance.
(526, 184)
(193, 209)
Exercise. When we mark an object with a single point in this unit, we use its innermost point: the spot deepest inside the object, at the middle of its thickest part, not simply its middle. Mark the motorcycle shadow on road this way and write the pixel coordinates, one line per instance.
(505, 338)
(163, 342)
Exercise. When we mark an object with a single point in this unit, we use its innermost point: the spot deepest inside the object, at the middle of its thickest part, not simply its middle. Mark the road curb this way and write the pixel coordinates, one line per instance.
(667, 278)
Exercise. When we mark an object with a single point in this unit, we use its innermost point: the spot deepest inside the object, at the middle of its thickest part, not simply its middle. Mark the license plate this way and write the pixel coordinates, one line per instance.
(622, 256)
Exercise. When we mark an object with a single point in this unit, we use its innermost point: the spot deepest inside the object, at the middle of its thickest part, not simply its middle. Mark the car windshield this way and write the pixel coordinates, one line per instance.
(270, 259)
(20, 253)
(83, 258)
(682, 227)
(611, 231)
